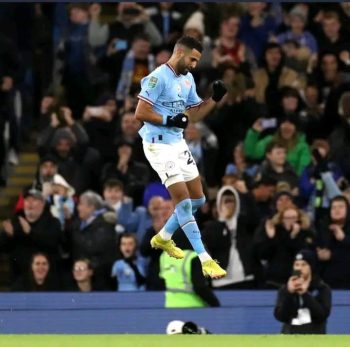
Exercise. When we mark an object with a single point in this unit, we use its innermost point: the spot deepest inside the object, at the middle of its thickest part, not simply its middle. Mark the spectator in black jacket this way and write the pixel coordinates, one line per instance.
(276, 167)
(39, 278)
(91, 236)
(333, 244)
(67, 140)
(133, 174)
(9, 66)
(339, 140)
(83, 277)
(229, 239)
(279, 240)
(33, 230)
(304, 303)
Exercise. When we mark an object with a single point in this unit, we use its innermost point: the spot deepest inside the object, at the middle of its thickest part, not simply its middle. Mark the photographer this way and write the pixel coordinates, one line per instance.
(304, 303)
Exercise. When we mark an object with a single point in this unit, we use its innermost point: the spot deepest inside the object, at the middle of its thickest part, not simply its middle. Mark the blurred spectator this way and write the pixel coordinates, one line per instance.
(234, 114)
(298, 152)
(311, 117)
(39, 276)
(47, 168)
(167, 21)
(61, 199)
(283, 199)
(153, 280)
(290, 102)
(9, 70)
(127, 219)
(133, 174)
(274, 75)
(32, 230)
(333, 244)
(279, 240)
(75, 59)
(195, 27)
(162, 56)
(304, 303)
(316, 187)
(262, 193)
(132, 19)
(91, 236)
(275, 166)
(130, 127)
(256, 27)
(339, 140)
(332, 38)
(129, 271)
(297, 21)
(298, 57)
(229, 239)
(185, 285)
(203, 145)
(101, 125)
(240, 167)
(78, 163)
(83, 275)
(229, 49)
(327, 75)
(138, 63)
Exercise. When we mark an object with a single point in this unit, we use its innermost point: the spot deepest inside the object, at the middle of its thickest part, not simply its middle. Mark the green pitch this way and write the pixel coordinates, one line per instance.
(173, 341)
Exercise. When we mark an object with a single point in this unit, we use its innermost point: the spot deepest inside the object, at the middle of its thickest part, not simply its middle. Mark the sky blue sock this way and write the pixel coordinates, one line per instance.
(172, 223)
(189, 225)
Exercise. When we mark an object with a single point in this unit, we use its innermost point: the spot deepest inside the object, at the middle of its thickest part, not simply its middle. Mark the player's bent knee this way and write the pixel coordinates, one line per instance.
(197, 203)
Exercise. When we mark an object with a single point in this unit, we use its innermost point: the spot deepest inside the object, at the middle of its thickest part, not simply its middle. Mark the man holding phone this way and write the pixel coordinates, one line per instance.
(304, 303)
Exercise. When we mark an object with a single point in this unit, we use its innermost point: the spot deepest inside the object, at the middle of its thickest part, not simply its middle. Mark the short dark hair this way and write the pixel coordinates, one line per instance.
(274, 144)
(190, 42)
(141, 37)
(113, 183)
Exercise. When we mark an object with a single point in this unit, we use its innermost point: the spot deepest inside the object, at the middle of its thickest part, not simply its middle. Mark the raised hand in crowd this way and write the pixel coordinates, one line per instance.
(7, 84)
(8, 227)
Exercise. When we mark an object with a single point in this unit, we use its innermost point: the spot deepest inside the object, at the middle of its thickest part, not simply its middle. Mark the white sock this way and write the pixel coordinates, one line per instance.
(204, 257)
(165, 235)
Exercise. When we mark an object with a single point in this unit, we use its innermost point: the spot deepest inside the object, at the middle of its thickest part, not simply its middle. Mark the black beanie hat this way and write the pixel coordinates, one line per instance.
(307, 256)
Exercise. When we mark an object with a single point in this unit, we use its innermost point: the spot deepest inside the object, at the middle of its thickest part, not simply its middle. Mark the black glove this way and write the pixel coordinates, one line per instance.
(321, 163)
(180, 121)
(219, 90)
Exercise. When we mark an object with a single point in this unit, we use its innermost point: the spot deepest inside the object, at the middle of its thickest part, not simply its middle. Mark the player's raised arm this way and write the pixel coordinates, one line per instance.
(197, 113)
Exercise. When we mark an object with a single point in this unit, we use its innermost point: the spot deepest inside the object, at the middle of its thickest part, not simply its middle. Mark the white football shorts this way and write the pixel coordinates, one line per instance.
(173, 162)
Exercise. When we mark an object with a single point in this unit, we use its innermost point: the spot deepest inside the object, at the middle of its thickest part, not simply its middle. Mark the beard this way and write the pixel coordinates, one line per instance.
(182, 68)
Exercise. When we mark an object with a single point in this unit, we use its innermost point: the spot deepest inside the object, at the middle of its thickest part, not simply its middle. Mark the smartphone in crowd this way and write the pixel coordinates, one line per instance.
(296, 273)
(95, 111)
(120, 45)
(268, 123)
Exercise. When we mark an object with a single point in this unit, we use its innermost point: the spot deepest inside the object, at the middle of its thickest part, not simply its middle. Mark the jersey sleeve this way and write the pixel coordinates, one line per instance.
(193, 99)
(151, 88)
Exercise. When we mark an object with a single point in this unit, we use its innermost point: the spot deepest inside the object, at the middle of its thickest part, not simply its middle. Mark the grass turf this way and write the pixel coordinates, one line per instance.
(174, 341)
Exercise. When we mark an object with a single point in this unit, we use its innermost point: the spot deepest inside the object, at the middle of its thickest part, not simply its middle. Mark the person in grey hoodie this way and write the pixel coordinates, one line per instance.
(229, 240)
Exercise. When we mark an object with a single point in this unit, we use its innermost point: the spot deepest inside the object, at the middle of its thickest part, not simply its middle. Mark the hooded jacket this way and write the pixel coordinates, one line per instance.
(230, 242)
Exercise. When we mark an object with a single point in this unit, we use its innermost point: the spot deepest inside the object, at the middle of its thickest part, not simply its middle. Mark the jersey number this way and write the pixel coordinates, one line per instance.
(190, 159)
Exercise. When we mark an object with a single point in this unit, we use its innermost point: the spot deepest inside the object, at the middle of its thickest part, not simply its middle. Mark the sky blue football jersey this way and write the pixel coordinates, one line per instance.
(169, 94)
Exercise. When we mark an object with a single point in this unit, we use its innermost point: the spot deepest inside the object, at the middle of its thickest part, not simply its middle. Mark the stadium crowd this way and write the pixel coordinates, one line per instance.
(273, 156)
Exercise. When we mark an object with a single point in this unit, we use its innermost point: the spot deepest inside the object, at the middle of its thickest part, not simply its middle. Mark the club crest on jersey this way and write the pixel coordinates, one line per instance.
(187, 83)
(152, 82)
